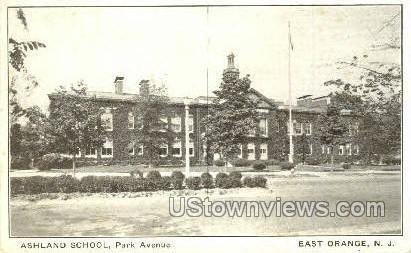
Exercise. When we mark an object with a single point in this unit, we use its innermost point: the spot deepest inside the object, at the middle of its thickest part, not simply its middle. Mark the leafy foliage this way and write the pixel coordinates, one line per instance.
(153, 133)
(232, 116)
(74, 121)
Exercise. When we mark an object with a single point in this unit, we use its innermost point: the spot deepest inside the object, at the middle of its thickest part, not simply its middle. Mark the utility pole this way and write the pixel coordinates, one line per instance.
(187, 136)
(291, 128)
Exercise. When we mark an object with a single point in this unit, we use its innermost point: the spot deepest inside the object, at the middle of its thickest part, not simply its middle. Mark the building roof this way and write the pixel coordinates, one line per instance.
(200, 100)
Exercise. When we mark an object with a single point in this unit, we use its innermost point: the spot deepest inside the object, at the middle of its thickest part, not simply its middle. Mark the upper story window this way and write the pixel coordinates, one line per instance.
(307, 128)
(107, 120)
(164, 123)
(262, 127)
(139, 122)
(176, 123)
(130, 120)
(297, 128)
(190, 123)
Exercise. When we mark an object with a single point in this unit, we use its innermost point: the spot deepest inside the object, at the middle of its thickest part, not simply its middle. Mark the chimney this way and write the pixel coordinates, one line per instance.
(118, 84)
(144, 87)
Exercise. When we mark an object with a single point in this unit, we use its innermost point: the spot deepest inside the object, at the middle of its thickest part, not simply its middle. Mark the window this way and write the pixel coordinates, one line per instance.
(356, 128)
(250, 151)
(307, 128)
(323, 149)
(140, 149)
(107, 121)
(164, 150)
(130, 148)
(297, 128)
(263, 151)
(341, 150)
(176, 124)
(262, 127)
(348, 148)
(176, 149)
(107, 149)
(91, 152)
(190, 123)
(164, 123)
(130, 120)
(140, 122)
(328, 150)
(240, 154)
(311, 149)
(356, 149)
(191, 149)
(278, 126)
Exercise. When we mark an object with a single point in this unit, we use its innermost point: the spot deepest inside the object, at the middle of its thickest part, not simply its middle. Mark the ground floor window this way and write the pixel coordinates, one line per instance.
(131, 148)
(176, 149)
(263, 151)
(164, 150)
(107, 149)
(348, 149)
(250, 151)
(356, 149)
(91, 152)
(341, 150)
(191, 149)
(140, 149)
(310, 149)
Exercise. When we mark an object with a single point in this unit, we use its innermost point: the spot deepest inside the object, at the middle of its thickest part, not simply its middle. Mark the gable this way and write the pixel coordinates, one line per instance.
(262, 101)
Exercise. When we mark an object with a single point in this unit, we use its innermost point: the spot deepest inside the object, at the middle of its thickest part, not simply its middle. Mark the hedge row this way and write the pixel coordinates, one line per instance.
(152, 182)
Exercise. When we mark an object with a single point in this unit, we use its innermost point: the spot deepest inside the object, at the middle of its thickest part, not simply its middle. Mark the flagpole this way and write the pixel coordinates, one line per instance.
(291, 130)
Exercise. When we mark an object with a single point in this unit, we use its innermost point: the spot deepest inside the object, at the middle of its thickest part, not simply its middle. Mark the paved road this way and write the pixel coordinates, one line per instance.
(127, 215)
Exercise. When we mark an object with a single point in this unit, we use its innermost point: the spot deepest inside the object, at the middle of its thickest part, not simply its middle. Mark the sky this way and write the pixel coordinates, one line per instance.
(176, 46)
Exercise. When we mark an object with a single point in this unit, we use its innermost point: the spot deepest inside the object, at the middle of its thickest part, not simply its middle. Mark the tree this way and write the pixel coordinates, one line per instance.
(75, 122)
(232, 116)
(17, 55)
(35, 141)
(333, 128)
(153, 131)
(378, 93)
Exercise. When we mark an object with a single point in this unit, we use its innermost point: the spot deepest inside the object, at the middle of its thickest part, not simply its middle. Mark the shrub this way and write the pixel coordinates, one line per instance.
(259, 165)
(260, 181)
(346, 166)
(312, 161)
(390, 160)
(165, 183)
(253, 182)
(154, 180)
(53, 161)
(219, 163)
(234, 180)
(67, 184)
(135, 173)
(90, 184)
(286, 165)
(271, 162)
(20, 163)
(235, 174)
(48, 161)
(193, 183)
(177, 179)
(240, 162)
(207, 180)
(221, 180)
